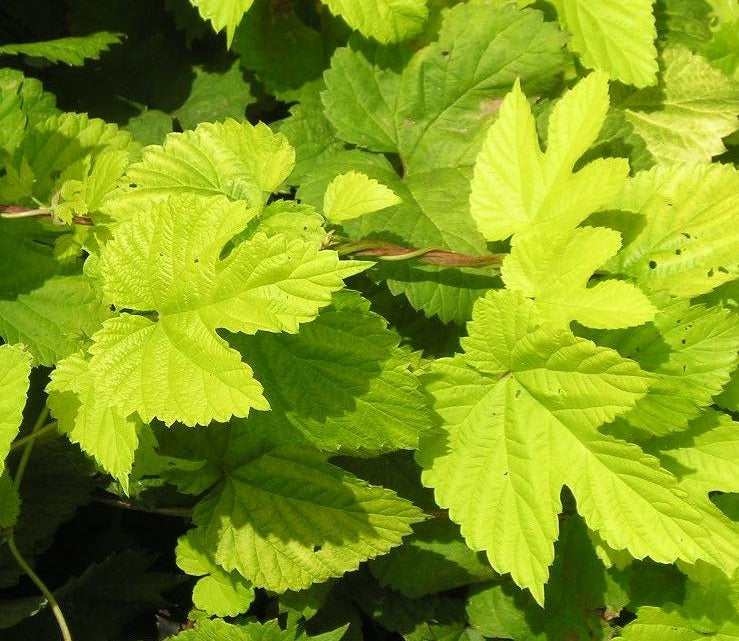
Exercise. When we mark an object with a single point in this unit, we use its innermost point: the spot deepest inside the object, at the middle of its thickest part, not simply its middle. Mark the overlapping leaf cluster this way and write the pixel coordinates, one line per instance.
(447, 350)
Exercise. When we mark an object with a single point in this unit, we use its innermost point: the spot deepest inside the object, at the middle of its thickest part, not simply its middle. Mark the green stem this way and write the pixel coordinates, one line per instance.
(63, 627)
(46, 429)
(29, 446)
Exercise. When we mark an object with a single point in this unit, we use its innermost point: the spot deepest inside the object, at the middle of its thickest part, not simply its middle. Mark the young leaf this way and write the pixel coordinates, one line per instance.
(91, 418)
(15, 368)
(384, 20)
(218, 593)
(354, 194)
(59, 148)
(167, 260)
(242, 161)
(682, 241)
(553, 268)
(521, 411)
(517, 187)
(699, 108)
(223, 14)
(72, 50)
(286, 518)
(617, 38)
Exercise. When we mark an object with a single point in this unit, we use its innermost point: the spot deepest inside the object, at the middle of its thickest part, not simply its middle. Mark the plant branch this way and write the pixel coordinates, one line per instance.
(42, 432)
(430, 255)
(13, 211)
(181, 512)
(61, 621)
(30, 441)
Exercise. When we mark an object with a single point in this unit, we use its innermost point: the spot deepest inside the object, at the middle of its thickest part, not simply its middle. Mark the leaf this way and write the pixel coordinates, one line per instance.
(553, 268)
(73, 50)
(342, 381)
(10, 505)
(698, 109)
(615, 38)
(384, 20)
(354, 194)
(23, 103)
(242, 161)
(682, 240)
(302, 56)
(708, 612)
(433, 559)
(15, 368)
(55, 319)
(692, 350)
(59, 148)
(223, 14)
(91, 419)
(175, 367)
(480, 52)
(218, 593)
(521, 410)
(517, 188)
(284, 518)
(705, 455)
(214, 96)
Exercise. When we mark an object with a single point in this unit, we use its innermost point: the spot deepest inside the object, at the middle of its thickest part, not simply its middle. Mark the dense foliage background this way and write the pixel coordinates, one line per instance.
(446, 350)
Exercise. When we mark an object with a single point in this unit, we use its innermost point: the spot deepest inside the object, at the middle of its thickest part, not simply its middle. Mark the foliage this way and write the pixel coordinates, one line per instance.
(374, 319)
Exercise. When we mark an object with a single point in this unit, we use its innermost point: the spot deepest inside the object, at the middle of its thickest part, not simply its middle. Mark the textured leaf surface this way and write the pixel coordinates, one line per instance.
(284, 518)
(218, 593)
(239, 160)
(342, 381)
(353, 194)
(516, 187)
(699, 108)
(553, 268)
(72, 51)
(682, 240)
(15, 368)
(384, 20)
(175, 366)
(617, 38)
(521, 410)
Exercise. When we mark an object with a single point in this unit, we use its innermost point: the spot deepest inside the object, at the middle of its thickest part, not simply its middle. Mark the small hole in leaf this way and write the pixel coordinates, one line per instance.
(652, 264)
(710, 273)
(518, 393)
(686, 235)
(505, 473)
(132, 185)
(684, 341)
(197, 260)
(112, 308)
(317, 548)
(445, 54)
(678, 252)
(723, 270)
